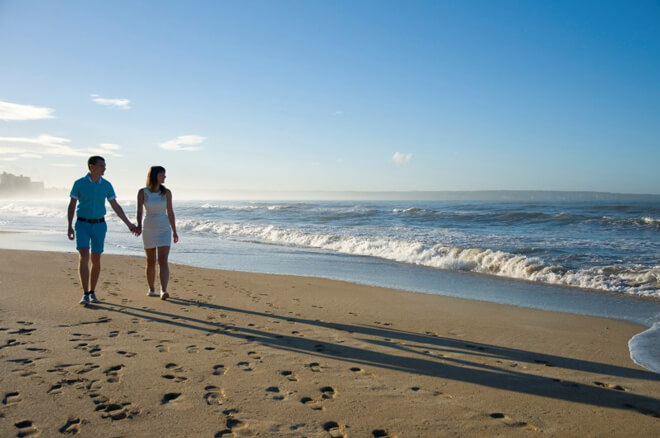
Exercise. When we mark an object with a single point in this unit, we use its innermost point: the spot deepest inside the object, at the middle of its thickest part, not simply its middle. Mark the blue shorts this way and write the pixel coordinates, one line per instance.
(86, 232)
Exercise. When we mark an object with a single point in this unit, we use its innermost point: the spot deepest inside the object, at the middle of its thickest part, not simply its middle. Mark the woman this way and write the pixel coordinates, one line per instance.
(159, 228)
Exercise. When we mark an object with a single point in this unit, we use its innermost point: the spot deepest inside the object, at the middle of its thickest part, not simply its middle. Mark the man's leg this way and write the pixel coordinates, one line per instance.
(83, 268)
(96, 271)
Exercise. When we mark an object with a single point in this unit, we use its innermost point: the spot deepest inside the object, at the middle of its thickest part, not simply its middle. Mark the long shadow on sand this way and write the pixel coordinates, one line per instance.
(427, 364)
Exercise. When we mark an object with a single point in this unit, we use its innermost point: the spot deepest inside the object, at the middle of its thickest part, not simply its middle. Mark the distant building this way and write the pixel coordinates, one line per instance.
(12, 184)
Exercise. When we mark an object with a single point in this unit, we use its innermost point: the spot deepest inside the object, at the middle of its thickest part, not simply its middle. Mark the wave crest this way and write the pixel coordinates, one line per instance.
(636, 280)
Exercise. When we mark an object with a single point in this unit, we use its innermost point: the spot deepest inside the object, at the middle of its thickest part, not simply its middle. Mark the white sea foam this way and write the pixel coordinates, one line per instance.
(644, 349)
(637, 280)
(31, 210)
(651, 221)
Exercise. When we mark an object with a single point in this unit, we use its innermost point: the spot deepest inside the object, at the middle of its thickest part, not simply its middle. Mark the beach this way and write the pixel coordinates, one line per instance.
(249, 354)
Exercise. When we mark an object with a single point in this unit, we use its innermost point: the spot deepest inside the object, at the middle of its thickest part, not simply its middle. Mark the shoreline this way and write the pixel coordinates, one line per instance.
(245, 353)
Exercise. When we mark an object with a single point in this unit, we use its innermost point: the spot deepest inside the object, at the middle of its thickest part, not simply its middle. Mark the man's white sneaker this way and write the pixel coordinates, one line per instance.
(92, 298)
(164, 295)
(84, 300)
(152, 294)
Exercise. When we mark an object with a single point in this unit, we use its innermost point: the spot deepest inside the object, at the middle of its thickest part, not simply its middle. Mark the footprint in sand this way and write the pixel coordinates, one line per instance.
(214, 395)
(72, 426)
(290, 376)
(170, 397)
(126, 353)
(172, 367)
(334, 429)
(508, 421)
(611, 386)
(22, 331)
(245, 366)
(162, 348)
(357, 370)
(10, 343)
(87, 368)
(315, 367)
(382, 433)
(93, 385)
(192, 349)
(11, 398)
(113, 334)
(172, 377)
(116, 411)
(219, 370)
(328, 392)
(82, 337)
(26, 428)
(276, 391)
(254, 355)
(114, 373)
(311, 403)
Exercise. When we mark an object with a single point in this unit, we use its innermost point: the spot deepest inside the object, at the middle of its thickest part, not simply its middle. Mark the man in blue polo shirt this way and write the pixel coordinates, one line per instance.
(90, 193)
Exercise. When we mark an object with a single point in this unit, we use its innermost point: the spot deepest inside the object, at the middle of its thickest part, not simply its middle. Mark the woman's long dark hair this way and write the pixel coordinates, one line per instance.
(152, 178)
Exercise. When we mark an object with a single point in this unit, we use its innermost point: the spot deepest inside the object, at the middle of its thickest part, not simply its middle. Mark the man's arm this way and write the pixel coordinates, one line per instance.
(120, 213)
(70, 212)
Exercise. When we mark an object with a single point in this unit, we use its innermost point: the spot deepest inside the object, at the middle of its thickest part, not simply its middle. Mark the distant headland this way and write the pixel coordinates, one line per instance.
(20, 186)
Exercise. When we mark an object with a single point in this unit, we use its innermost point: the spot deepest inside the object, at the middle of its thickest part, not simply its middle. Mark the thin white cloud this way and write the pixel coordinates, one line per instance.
(400, 158)
(106, 149)
(19, 147)
(64, 165)
(113, 103)
(183, 143)
(15, 111)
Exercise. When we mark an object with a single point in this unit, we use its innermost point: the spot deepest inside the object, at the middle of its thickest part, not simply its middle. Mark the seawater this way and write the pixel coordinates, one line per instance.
(597, 258)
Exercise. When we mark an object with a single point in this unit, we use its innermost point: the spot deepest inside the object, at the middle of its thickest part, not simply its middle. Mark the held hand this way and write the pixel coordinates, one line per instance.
(176, 237)
(71, 233)
(133, 229)
(138, 230)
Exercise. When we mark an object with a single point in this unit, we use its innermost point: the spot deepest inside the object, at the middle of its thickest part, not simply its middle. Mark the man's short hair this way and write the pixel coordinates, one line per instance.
(95, 159)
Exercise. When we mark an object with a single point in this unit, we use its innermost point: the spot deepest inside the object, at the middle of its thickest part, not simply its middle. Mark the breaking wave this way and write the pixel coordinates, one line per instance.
(635, 279)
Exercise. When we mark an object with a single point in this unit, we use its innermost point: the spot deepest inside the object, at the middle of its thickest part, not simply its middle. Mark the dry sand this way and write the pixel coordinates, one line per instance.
(241, 354)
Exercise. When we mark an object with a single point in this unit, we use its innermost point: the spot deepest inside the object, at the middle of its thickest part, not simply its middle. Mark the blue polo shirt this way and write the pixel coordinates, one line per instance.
(91, 196)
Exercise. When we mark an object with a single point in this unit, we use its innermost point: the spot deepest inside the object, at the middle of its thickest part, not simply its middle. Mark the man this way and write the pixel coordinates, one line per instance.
(90, 193)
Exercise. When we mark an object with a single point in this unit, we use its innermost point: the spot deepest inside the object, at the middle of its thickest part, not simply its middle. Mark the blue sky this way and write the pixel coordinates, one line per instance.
(334, 95)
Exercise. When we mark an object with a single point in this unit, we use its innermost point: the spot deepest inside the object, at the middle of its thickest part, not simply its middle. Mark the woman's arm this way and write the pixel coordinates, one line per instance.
(170, 215)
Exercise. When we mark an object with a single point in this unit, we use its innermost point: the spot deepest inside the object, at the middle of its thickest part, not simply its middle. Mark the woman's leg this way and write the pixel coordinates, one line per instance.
(163, 253)
(151, 267)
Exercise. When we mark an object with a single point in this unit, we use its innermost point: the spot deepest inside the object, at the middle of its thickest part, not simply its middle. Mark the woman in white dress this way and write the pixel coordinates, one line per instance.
(159, 228)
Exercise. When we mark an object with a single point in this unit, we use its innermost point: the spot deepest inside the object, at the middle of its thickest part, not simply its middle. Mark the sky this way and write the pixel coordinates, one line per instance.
(334, 95)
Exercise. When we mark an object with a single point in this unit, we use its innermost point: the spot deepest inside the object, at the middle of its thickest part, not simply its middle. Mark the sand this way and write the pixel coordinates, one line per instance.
(243, 354)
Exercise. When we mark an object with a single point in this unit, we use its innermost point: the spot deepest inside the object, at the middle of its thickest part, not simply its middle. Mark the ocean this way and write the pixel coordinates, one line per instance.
(590, 257)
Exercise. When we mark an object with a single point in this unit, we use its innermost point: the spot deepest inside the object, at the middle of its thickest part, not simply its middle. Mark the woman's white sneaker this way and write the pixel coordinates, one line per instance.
(152, 294)
(164, 295)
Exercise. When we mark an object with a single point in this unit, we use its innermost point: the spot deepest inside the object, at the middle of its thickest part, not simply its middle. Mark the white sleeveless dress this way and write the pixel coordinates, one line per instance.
(156, 230)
